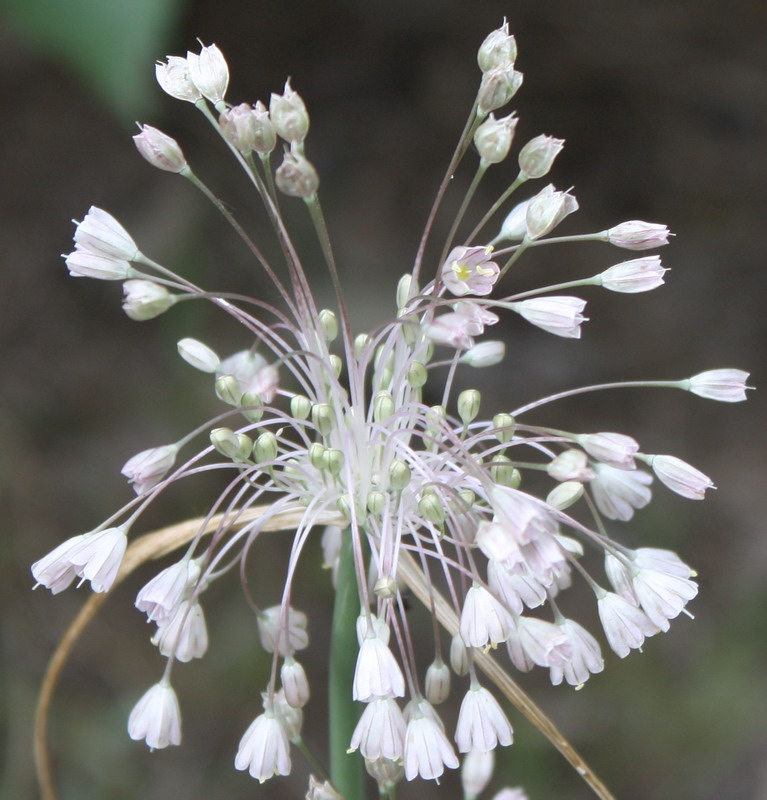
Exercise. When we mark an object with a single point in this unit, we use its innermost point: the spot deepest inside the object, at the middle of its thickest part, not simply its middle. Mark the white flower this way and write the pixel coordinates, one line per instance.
(295, 684)
(380, 732)
(156, 718)
(252, 373)
(264, 749)
(514, 227)
(662, 596)
(147, 468)
(482, 725)
(184, 635)
(546, 210)
(617, 492)
(209, 72)
(476, 771)
(630, 277)
(83, 264)
(625, 625)
(484, 354)
(638, 235)
(483, 619)
(680, 477)
(541, 642)
(288, 114)
(537, 156)
(146, 299)
(159, 598)
(160, 150)
(174, 79)
(571, 465)
(437, 682)
(377, 673)
(97, 557)
(101, 234)
(427, 750)
(274, 636)
(55, 571)
(615, 449)
(468, 270)
(726, 385)
(198, 355)
(558, 315)
(585, 658)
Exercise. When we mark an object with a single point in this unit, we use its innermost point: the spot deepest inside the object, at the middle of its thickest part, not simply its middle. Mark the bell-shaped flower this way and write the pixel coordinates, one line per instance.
(380, 732)
(264, 749)
(585, 655)
(209, 72)
(294, 682)
(98, 555)
(617, 492)
(156, 718)
(282, 633)
(631, 277)
(484, 621)
(160, 598)
(680, 477)
(615, 449)
(427, 749)
(84, 264)
(662, 596)
(55, 571)
(638, 235)
(173, 77)
(558, 315)
(725, 385)
(482, 725)
(101, 234)
(546, 210)
(147, 468)
(625, 625)
(377, 673)
(184, 635)
(476, 772)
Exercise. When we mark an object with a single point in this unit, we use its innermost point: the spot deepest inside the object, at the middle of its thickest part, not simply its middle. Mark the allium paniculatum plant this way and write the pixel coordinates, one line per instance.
(326, 431)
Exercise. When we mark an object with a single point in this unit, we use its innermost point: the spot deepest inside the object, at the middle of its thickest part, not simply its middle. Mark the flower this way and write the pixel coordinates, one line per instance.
(156, 718)
(630, 277)
(101, 234)
(482, 725)
(264, 749)
(96, 557)
(173, 77)
(617, 492)
(638, 235)
(558, 315)
(625, 625)
(726, 385)
(613, 449)
(546, 210)
(680, 477)
(82, 264)
(146, 299)
(537, 156)
(147, 468)
(160, 150)
(209, 73)
(427, 750)
(468, 270)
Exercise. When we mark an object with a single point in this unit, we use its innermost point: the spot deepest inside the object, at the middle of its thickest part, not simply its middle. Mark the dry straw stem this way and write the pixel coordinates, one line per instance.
(161, 542)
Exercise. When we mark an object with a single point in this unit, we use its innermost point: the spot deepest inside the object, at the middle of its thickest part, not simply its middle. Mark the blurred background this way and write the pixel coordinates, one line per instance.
(664, 109)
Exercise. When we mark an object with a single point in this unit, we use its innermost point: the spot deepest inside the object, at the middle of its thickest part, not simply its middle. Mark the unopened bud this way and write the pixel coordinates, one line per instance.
(146, 299)
(387, 774)
(417, 374)
(336, 364)
(255, 413)
(383, 406)
(476, 771)
(360, 343)
(344, 506)
(432, 508)
(537, 156)
(437, 682)
(385, 587)
(468, 405)
(230, 444)
(406, 288)
(288, 114)
(322, 418)
(174, 79)
(296, 177)
(504, 425)
(329, 324)
(547, 209)
(565, 494)
(295, 684)
(228, 390)
(300, 406)
(468, 498)
(499, 49)
(514, 227)
(265, 449)
(198, 355)
(503, 473)
(316, 454)
(159, 150)
(484, 354)
(376, 502)
(459, 657)
(399, 475)
(638, 235)
(498, 86)
(493, 138)
(333, 461)
(238, 127)
(264, 135)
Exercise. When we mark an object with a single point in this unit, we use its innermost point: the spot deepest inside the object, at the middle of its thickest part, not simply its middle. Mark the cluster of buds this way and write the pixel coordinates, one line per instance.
(322, 424)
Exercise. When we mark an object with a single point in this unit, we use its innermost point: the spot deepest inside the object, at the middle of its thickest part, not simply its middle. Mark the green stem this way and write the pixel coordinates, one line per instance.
(345, 769)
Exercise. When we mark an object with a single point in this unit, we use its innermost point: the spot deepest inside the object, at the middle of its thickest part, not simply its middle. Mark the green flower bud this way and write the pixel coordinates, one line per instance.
(336, 364)
(228, 390)
(383, 406)
(322, 417)
(417, 374)
(333, 461)
(300, 406)
(376, 502)
(399, 475)
(317, 455)
(432, 508)
(468, 405)
(406, 288)
(225, 441)
(360, 343)
(252, 414)
(565, 494)
(386, 587)
(265, 449)
(468, 498)
(504, 424)
(502, 472)
(329, 324)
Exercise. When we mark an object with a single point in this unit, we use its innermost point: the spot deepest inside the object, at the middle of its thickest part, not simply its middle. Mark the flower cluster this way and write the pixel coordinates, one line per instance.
(321, 422)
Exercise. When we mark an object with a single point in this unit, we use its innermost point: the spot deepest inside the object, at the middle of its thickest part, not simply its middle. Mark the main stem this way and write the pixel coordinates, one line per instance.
(345, 769)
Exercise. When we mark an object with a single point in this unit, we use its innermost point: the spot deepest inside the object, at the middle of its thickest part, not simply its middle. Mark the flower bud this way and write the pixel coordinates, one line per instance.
(476, 771)
(417, 374)
(725, 385)
(459, 657)
(376, 502)
(630, 277)
(228, 390)
(159, 150)
(146, 299)
(316, 454)
(336, 364)
(264, 135)
(82, 264)
(571, 465)
(265, 448)
(504, 425)
(399, 475)
(209, 72)
(385, 773)
(537, 156)
(321, 791)
(546, 210)
(498, 86)
(300, 406)
(385, 587)
(333, 461)
(147, 468)
(406, 288)
(383, 406)
(360, 343)
(499, 49)
(432, 508)
(468, 405)
(503, 473)
(437, 688)
(329, 324)
(296, 177)
(174, 79)
(322, 418)
(615, 449)
(565, 494)
(493, 138)
(484, 354)
(199, 355)
(514, 227)
(288, 114)
(680, 477)
(295, 684)
(226, 442)
(237, 127)
(558, 315)
(638, 235)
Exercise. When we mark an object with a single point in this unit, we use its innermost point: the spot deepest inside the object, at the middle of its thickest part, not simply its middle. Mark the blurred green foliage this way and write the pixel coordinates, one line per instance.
(108, 43)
